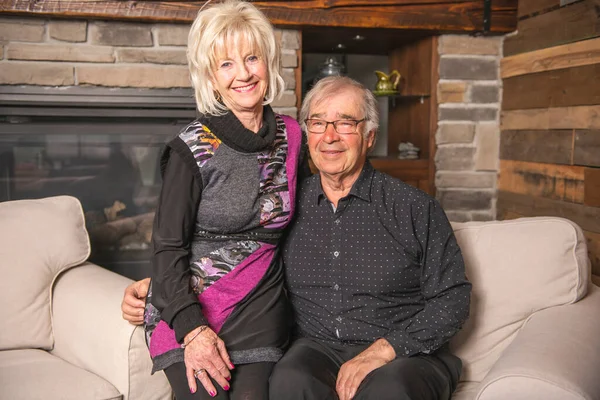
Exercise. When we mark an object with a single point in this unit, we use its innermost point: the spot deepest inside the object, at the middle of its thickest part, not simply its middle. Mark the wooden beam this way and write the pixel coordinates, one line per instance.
(591, 196)
(564, 25)
(451, 16)
(557, 182)
(575, 86)
(576, 54)
(552, 147)
(442, 15)
(529, 7)
(588, 218)
(580, 117)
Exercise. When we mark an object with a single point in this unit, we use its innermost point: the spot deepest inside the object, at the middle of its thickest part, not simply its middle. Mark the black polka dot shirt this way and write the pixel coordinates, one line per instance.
(384, 264)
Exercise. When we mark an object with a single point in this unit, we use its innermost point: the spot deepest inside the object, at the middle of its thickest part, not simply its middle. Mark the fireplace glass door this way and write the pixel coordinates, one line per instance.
(111, 167)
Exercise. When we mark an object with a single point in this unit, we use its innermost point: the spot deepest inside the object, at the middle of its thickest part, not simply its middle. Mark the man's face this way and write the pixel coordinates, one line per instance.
(335, 154)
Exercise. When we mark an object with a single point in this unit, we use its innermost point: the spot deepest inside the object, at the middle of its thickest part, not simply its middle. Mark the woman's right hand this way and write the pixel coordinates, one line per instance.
(206, 357)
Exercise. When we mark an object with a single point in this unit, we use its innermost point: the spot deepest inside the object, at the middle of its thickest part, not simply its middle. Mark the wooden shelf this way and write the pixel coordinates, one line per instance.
(407, 170)
(389, 160)
(403, 97)
(409, 97)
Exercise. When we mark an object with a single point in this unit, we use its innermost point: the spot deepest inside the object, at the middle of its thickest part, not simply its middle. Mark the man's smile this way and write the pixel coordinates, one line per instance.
(331, 152)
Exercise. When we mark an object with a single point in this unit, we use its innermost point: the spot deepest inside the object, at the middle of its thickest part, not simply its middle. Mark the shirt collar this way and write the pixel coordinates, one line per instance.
(361, 188)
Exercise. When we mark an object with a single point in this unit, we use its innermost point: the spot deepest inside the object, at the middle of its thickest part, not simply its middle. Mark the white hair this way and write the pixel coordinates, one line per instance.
(219, 26)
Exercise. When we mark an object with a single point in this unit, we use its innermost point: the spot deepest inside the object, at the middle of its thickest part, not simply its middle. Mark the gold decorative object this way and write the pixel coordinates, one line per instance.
(387, 84)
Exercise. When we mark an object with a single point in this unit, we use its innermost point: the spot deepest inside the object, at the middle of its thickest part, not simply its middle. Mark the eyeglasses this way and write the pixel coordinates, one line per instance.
(343, 126)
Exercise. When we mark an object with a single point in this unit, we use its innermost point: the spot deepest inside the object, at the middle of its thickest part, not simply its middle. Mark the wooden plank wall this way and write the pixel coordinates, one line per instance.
(550, 139)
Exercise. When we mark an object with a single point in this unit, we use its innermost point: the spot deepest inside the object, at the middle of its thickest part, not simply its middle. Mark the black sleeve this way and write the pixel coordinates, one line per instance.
(171, 237)
(444, 286)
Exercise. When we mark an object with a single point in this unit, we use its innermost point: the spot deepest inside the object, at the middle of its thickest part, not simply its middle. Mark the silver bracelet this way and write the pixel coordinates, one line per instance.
(202, 329)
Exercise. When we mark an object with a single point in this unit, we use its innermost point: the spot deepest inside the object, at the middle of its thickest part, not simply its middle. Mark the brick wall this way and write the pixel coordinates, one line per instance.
(114, 54)
(469, 93)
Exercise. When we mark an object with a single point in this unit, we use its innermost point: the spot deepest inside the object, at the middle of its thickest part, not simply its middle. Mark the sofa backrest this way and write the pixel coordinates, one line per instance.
(38, 240)
(517, 267)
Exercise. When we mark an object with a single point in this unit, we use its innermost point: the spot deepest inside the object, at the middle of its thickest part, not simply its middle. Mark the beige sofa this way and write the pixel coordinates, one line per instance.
(533, 333)
(62, 334)
(534, 328)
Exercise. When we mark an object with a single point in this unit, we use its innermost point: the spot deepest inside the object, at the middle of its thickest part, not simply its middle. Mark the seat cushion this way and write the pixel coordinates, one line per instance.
(465, 391)
(35, 374)
(517, 268)
(38, 240)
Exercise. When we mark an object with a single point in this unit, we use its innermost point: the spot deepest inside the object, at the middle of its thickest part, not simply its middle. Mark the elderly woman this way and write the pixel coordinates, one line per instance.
(216, 310)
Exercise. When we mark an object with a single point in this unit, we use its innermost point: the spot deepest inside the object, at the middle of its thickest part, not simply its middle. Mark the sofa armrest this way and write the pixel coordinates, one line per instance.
(555, 356)
(90, 332)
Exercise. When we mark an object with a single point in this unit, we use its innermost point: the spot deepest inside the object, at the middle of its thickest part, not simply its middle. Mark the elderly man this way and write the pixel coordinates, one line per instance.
(374, 273)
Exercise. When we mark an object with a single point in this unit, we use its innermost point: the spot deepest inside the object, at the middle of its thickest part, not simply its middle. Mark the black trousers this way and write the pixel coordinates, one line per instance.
(309, 371)
(248, 382)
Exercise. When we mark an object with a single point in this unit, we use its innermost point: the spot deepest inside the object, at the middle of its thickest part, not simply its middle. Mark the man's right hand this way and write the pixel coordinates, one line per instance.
(354, 371)
(134, 301)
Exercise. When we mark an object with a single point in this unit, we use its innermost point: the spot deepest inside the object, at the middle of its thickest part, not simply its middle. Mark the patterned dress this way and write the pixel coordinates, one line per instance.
(235, 268)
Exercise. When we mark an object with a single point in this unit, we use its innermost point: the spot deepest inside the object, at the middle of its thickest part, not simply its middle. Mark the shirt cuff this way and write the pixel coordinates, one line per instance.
(187, 320)
(403, 345)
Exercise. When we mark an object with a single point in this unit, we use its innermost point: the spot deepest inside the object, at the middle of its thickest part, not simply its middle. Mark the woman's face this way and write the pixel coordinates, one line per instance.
(241, 78)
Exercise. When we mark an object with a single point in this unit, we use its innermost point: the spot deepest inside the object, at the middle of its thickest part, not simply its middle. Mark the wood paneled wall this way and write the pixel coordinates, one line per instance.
(550, 126)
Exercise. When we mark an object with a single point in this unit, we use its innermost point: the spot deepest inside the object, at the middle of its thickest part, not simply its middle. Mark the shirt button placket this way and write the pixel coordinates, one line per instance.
(336, 273)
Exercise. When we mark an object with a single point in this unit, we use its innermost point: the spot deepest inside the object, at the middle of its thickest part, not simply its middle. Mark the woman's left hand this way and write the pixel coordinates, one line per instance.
(206, 357)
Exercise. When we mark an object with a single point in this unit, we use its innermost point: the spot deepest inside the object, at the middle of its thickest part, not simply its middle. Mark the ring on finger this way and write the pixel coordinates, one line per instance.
(198, 372)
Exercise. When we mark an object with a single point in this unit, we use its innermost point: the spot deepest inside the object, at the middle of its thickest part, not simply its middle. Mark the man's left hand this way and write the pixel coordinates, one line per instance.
(355, 370)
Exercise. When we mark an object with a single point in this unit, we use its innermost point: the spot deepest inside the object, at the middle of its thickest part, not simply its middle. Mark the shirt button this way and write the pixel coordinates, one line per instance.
(336, 287)
(337, 221)
(339, 319)
(336, 253)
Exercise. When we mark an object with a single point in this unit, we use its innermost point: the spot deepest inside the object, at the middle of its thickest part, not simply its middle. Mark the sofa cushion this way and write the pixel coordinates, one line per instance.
(35, 374)
(517, 268)
(465, 391)
(38, 240)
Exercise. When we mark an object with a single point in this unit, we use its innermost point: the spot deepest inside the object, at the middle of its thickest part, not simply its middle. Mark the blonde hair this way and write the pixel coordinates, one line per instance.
(215, 28)
(333, 85)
